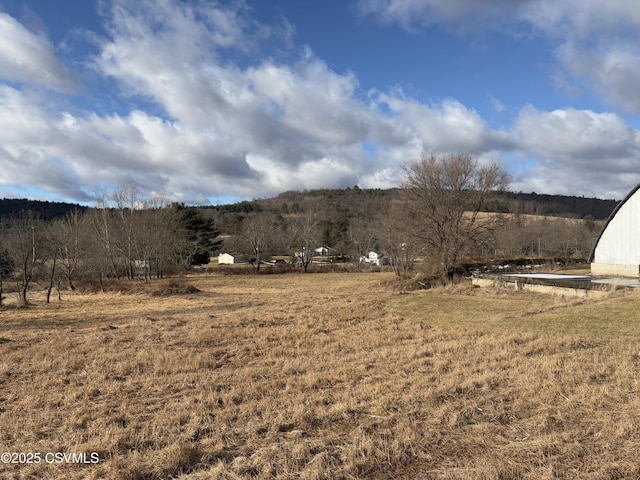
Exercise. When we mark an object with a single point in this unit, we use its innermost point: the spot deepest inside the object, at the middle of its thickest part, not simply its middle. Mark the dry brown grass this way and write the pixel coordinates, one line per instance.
(323, 376)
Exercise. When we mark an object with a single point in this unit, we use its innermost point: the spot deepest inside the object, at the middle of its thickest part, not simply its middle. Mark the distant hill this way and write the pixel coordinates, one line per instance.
(45, 210)
(556, 205)
(356, 201)
(351, 202)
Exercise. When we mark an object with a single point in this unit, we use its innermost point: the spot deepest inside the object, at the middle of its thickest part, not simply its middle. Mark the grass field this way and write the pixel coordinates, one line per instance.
(322, 376)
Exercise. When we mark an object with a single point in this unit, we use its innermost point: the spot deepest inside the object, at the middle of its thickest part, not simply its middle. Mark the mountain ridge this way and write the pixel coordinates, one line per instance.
(352, 199)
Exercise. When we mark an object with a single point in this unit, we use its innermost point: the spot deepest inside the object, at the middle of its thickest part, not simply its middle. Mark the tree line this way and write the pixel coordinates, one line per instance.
(442, 217)
(126, 235)
(352, 201)
(445, 214)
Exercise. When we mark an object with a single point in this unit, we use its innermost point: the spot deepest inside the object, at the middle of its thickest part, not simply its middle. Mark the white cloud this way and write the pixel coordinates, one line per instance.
(27, 57)
(576, 133)
(270, 123)
(596, 42)
(614, 72)
(413, 14)
(577, 151)
(445, 127)
(216, 128)
(27, 133)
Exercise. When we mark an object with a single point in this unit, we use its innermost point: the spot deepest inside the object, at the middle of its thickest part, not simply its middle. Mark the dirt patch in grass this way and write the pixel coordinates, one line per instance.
(154, 287)
(172, 287)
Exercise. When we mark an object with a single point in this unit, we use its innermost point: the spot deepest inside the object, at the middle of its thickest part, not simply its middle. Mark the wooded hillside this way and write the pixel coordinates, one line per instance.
(44, 210)
(352, 201)
(357, 201)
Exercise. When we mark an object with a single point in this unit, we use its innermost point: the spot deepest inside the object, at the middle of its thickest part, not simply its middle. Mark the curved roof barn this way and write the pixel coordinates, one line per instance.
(617, 249)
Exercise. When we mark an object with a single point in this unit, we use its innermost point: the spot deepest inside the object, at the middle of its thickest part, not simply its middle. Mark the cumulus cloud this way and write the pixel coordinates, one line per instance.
(596, 43)
(614, 72)
(576, 133)
(576, 150)
(206, 126)
(26, 134)
(446, 127)
(272, 126)
(28, 57)
(288, 113)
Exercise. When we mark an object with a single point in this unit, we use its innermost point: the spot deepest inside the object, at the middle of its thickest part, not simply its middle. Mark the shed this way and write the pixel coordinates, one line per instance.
(232, 258)
(617, 249)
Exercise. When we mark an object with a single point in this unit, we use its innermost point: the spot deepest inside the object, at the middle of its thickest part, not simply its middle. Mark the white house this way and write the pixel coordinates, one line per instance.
(232, 259)
(376, 258)
(617, 250)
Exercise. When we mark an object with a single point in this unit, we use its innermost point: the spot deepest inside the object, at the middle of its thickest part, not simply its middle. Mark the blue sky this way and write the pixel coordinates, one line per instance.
(216, 101)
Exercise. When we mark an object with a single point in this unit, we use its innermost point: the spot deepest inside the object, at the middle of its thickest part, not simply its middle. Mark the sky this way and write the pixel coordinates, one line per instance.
(216, 101)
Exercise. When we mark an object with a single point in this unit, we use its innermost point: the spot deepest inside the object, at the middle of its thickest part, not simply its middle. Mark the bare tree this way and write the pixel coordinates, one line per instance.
(128, 201)
(104, 255)
(47, 266)
(71, 233)
(362, 237)
(306, 232)
(444, 197)
(400, 246)
(25, 246)
(165, 237)
(256, 231)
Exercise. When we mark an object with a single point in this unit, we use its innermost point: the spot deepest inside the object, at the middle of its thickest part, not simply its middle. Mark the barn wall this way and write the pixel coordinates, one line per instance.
(619, 243)
(615, 269)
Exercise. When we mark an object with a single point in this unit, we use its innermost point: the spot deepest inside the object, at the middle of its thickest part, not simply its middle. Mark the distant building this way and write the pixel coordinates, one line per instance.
(325, 252)
(232, 259)
(375, 258)
(617, 250)
(324, 256)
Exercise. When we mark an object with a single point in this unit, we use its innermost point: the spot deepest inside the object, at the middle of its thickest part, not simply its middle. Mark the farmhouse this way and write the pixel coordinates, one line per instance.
(375, 258)
(617, 249)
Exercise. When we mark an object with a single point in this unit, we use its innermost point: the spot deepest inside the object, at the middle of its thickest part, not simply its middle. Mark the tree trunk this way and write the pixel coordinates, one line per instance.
(23, 295)
(52, 276)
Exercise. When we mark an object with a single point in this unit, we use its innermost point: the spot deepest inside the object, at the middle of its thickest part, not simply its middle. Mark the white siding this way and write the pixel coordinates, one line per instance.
(226, 259)
(620, 241)
(376, 258)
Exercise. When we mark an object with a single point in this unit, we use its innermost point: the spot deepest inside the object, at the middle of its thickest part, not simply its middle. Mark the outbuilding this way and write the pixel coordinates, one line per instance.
(232, 259)
(617, 249)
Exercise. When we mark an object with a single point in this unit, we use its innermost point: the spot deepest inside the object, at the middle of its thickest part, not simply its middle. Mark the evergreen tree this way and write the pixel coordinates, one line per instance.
(7, 266)
(200, 235)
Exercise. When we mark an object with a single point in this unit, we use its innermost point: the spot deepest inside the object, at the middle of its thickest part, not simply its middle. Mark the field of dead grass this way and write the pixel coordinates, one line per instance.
(323, 376)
